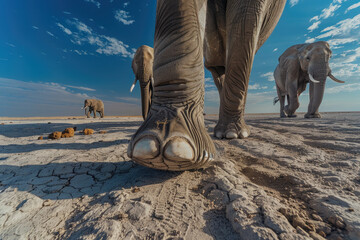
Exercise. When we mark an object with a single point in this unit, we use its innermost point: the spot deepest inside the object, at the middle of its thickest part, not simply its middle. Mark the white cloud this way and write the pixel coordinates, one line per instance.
(342, 28)
(269, 76)
(310, 40)
(293, 2)
(50, 33)
(81, 88)
(97, 4)
(356, 5)
(340, 41)
(344, 88)
(10, 44)
(66, 30)
(126, 4)
(83, 34)
(329, 12)
(256, 86)
(124, 17)
(35, 27)
(314, 26)
(65, 12)
(275, 49)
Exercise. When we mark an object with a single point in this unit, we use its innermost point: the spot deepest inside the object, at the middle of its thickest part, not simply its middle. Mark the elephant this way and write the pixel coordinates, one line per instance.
(93, 105)
(299, 65)
(227, 33)
(142, 65)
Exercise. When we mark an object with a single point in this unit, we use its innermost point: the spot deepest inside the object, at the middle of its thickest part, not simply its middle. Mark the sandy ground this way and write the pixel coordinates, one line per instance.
(292, 179)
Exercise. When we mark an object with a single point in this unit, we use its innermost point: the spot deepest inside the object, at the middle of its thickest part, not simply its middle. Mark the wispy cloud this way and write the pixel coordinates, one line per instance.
(275, 50)
(97, 4)
(344, 88)
(35, 27)
(325, 13)
(123, 17)
(81, 88)
(269, 76)
(356, 5)
(256, 86)
(65, 12)
(293, 2)
(83, 34)
(314, 26)
(66, 30)
(10, 44)
(50, 33)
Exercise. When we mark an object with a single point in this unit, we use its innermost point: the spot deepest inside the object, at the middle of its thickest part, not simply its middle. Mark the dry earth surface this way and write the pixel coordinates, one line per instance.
(292, 179)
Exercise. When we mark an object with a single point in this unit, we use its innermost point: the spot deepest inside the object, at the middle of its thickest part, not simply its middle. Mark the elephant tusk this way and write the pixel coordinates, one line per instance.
(133, 85)
(335, 79)
(84, 107)
(312, 79)
(152, 81)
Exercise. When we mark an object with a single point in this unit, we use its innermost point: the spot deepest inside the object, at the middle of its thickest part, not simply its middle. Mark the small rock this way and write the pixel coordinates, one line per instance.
(55, 135)
(316, 236)
(48, 202)
(68, 132)
(316, 217)
(297, 221)
(88, 131)
(337, 221)
(301, 231)
(321, 233)
(103, 132)
(135, 189)
(40, 138)
(350, 209)
(49, 122)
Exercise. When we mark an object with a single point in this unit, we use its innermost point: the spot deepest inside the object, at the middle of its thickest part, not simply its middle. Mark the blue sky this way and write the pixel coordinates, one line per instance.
(54, 54)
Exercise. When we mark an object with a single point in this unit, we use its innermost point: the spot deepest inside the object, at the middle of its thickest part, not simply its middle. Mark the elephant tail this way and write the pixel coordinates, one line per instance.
(276, 99)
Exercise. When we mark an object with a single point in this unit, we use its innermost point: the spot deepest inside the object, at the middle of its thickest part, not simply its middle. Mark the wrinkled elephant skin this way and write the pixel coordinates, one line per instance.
(228, 34)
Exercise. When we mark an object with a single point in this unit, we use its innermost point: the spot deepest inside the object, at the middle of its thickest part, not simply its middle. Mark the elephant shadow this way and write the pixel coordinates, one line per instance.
(70, 180)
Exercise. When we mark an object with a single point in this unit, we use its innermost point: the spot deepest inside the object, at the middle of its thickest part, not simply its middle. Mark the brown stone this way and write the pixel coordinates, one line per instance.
(40, 138)
(102, 132)
(55, 135)
(316, 236)
(68, 132)
(298, 221)
(88, 131)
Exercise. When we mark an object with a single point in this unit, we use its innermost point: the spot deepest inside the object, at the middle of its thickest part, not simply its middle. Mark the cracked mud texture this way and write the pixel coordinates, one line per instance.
(291, 179)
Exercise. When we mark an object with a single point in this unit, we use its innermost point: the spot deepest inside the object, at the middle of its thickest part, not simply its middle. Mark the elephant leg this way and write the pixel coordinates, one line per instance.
(293, 100)
(173, 137)
(282, 102)
(87, 113)
(94, 111)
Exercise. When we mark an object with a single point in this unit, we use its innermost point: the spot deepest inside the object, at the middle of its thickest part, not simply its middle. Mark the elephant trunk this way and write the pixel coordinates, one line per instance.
(317, 87)
(144, 77)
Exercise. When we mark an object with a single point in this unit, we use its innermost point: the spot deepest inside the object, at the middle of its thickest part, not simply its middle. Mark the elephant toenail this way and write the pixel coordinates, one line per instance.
(231, 135)
(146, 148)
(179, 149)
(219, 135)
(244, 134)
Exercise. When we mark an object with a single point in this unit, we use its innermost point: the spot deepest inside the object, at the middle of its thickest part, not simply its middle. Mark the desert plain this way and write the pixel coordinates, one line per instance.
(292, 178)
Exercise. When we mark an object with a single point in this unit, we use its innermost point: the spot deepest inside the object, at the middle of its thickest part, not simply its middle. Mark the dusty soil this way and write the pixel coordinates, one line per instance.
(292, 179)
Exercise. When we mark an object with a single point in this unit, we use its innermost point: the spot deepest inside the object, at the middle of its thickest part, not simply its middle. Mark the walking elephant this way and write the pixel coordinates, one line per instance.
(299, 65)
(142, 66)
(228, 33)
(93, 105)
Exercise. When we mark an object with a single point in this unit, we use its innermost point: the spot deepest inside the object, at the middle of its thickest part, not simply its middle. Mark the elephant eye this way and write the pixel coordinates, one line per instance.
(307, 59)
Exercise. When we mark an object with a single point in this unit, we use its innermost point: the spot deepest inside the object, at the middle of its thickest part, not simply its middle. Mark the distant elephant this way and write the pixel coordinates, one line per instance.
(142, 66)
(93, 105)
(299, 65)
(173, 136)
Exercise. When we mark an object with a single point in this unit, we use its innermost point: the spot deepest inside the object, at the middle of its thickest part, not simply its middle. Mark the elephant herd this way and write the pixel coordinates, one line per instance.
(225, 35)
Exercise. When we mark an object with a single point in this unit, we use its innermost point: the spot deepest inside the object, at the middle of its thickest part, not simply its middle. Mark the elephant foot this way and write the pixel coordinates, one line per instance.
(292, 116)
(231, 128)
(282, 114)
(315, 115)
(172, 138)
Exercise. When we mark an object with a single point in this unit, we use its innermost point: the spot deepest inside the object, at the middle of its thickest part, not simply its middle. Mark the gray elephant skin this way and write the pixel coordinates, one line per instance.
(142, 65)
(227, 33)
(299, 65)
(93, 105)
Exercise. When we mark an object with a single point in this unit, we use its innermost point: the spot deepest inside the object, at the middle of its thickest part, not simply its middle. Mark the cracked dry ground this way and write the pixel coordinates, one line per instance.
(292, 179)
